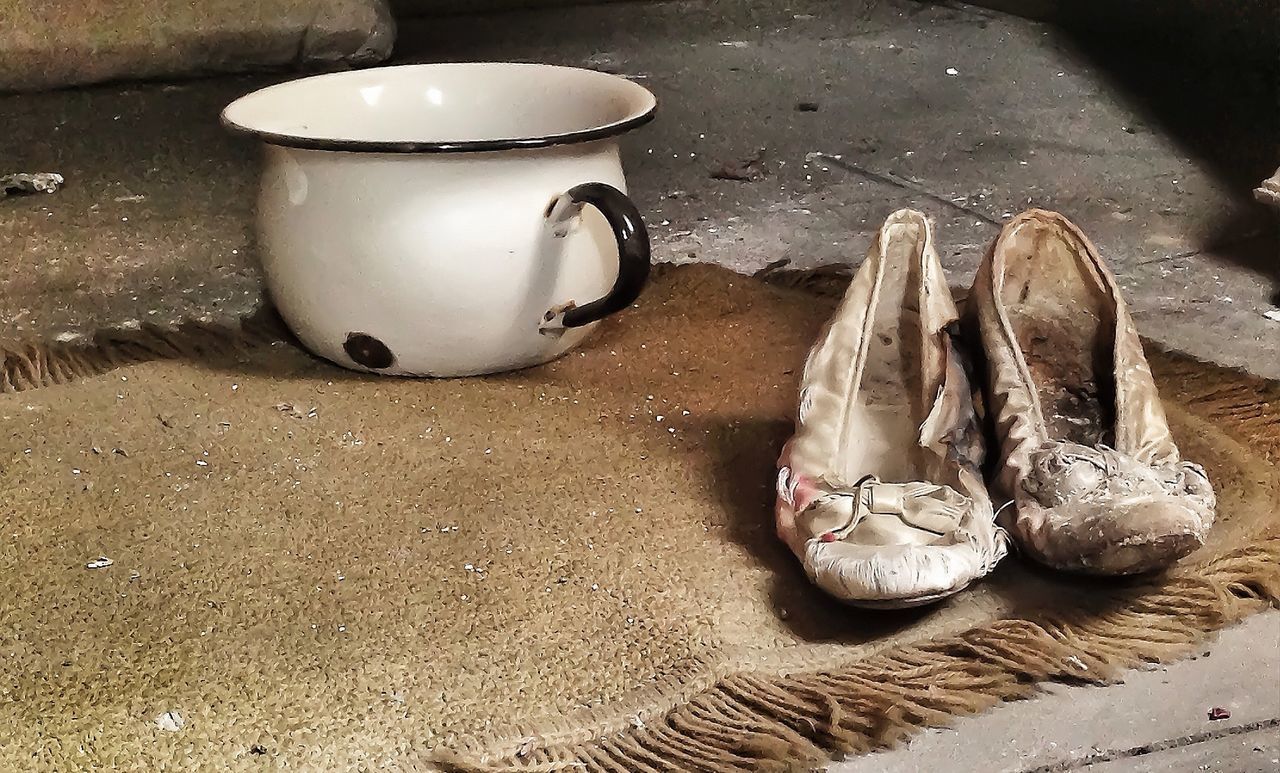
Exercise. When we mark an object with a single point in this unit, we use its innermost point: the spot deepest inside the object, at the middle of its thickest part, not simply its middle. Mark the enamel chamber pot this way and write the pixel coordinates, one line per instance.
(447, 219)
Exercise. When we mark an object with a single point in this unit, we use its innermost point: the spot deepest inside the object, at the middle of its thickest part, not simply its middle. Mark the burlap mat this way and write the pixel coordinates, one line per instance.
(569, 566)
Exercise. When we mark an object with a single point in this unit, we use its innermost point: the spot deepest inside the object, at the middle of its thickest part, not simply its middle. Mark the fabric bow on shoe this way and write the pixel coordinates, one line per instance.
(925, 506)
(891, 540)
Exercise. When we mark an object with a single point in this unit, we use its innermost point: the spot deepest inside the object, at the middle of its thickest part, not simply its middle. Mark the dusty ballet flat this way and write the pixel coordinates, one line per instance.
(1086, 456)
(879, 492)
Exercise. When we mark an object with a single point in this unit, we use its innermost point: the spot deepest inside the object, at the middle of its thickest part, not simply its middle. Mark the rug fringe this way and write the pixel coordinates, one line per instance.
(26, 366)
(802, 721)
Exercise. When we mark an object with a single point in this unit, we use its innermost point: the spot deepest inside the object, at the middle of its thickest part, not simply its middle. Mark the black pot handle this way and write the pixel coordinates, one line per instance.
(633, 254)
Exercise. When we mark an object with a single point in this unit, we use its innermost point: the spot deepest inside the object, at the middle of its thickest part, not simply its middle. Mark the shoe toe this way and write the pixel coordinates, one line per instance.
(1120, 539)
(1150, 536)
(891, 576)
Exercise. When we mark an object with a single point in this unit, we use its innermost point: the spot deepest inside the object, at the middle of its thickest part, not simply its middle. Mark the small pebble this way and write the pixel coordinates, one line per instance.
(170, 721)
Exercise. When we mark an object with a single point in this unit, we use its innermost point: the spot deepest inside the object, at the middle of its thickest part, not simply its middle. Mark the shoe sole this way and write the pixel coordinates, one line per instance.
(904, 603)
(1154, 555)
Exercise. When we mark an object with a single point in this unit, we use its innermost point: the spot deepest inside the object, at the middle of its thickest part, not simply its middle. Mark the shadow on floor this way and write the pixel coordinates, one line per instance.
(742, 469)
(1207, 76)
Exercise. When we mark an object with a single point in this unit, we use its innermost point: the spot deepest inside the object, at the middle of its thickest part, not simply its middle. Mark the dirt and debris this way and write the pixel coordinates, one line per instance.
(170, 721)
(296, 412)
(30, 182)
(1217, 712)
(258, 749)
(1269, 191)
(1067, 364)
(747, 169)
(862, 147)
(604, 61)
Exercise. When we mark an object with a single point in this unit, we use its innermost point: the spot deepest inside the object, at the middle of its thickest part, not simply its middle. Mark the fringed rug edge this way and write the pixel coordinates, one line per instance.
(747, 721)
(761, 722)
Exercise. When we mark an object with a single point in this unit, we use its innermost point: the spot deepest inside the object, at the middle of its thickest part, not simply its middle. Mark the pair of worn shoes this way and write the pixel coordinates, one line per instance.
(882, 491)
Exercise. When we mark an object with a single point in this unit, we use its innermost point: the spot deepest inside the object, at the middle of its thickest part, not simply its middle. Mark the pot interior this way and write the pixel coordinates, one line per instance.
(443, 107)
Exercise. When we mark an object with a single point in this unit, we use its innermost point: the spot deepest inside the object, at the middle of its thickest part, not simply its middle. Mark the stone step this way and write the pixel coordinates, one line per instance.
(75, 42)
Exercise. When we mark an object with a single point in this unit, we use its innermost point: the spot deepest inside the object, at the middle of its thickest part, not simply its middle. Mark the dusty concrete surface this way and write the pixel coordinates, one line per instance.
(404, 8)
(152, 224)
(1028, 118)
(1257, 751)
(1239, 29)
(1155, 720)
(1153, 153)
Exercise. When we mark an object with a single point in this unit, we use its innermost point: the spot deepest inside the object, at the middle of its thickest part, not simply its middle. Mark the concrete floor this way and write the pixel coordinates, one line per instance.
(965, 113)
(1156, 720)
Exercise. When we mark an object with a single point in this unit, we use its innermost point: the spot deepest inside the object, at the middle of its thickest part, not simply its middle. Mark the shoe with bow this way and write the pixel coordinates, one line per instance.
(879, 492)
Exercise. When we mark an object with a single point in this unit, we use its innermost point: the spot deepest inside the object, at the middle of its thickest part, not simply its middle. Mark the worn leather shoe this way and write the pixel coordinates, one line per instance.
(1086, 456)
(880, 492)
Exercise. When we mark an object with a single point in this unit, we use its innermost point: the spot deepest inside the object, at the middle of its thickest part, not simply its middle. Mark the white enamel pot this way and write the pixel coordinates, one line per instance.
(447, 219)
